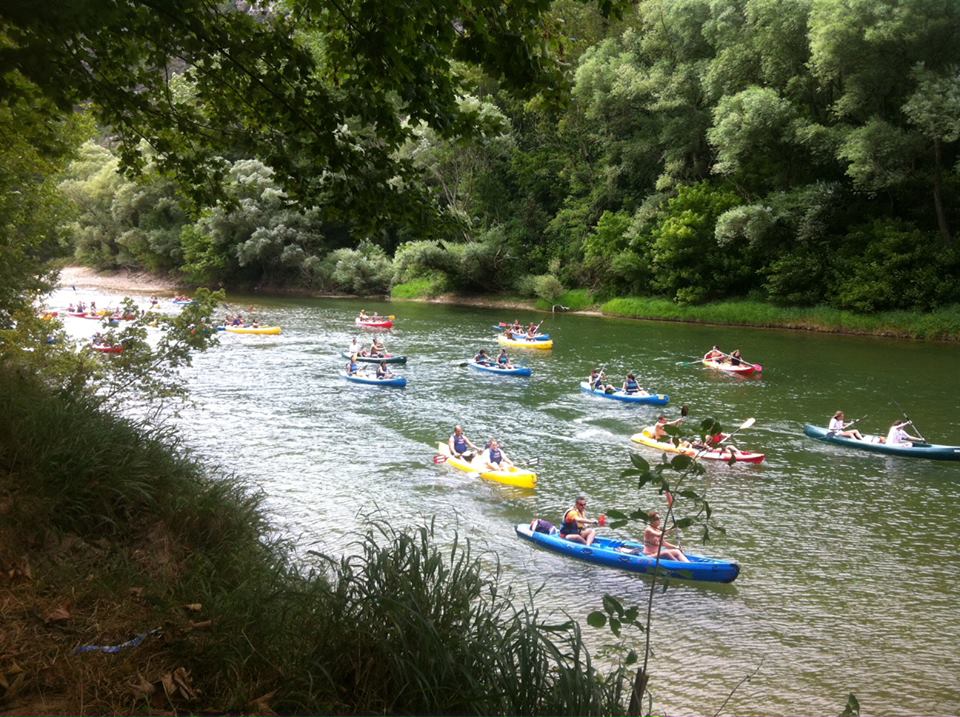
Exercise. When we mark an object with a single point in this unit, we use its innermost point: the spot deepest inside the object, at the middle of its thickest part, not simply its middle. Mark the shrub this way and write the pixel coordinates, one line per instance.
(548, 287)
(416, 259)
(365, 270)
(427, 286)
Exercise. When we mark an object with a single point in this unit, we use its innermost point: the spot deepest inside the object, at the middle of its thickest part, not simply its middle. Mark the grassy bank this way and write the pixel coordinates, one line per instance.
(942, 325)
(109, 531)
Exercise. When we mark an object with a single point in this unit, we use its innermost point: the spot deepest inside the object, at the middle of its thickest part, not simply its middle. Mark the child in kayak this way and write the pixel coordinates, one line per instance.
(896, 436)
(503, 361)
(482, 358)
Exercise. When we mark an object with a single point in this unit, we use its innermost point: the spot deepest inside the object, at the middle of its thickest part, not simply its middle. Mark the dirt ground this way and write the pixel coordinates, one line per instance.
(120, 281)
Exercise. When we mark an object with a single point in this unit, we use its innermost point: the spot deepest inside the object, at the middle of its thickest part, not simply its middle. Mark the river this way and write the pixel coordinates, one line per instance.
(846, 557)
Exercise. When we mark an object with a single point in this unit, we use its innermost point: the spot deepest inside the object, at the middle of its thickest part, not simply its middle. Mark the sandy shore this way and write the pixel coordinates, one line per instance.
(120, 281)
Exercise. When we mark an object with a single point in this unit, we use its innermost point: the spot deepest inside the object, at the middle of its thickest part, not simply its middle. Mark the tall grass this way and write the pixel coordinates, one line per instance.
(401, 625)
(421, 288)
(573, 300)
(940, 325)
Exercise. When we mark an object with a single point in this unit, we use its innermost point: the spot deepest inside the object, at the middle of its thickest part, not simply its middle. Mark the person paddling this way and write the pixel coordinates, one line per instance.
(495, 459)
(460, 446)
(897, 436)
(839, 428)
(352, 366)
(575, 522)
(654, 542)
(503, 360)
(482, 358)
(659, 430)
(714, 354)
(383, 371)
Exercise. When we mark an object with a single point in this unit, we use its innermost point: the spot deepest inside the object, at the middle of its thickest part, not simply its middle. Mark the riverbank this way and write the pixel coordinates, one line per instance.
(942, 325)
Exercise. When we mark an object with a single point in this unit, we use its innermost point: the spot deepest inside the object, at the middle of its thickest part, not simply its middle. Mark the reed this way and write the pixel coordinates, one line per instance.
(117, 522)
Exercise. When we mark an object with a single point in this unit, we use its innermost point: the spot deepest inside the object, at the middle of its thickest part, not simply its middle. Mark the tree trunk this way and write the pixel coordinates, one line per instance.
(938, 198)
(635, 709)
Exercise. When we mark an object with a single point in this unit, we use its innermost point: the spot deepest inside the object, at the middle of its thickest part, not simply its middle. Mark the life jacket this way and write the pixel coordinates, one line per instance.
(495, 455)
(632, 385)
(503, 359)
(597, 383)
(570, 527)
(460, 443)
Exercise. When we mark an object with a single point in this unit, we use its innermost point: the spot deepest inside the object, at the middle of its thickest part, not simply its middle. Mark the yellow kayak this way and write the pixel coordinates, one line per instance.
(645, 438)
(517, 477)
(524, 343)
(273, 330)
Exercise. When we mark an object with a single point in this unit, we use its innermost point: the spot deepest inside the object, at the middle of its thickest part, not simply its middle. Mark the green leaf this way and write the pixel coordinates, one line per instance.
(612, 605)
(631, 658)
(596, 619)
(681, 462)
(852, 708)
(684, 523)
(710, 426)
(615, 626)
(616, 514)
(631, 613)
(640, 462)
(618, 524)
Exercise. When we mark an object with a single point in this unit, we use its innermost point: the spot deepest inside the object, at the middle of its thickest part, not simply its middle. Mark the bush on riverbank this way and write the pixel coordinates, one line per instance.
(110, 530)
(941, 325)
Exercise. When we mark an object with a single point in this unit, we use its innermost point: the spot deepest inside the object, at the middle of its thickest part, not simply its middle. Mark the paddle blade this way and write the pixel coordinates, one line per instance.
(746, 424)
(439, 458)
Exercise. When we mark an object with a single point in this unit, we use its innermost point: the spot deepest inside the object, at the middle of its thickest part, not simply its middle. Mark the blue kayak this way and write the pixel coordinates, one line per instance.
(396, 381)
(628, 555)
(932, 451)
(537, 337)
(494, 369)
(650, 399)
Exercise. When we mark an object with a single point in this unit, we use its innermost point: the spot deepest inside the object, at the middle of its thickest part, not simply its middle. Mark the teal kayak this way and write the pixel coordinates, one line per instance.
(497, 371)
(388, 358)
(873, 444)
(395, 381)
(650, 399)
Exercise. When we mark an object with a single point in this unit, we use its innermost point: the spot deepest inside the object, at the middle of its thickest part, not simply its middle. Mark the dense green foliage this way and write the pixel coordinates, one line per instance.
(401, 625)
(803, 153)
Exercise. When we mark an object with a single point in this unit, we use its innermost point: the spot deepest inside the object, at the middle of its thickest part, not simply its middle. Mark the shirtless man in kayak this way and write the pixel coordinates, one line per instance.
(658, 429)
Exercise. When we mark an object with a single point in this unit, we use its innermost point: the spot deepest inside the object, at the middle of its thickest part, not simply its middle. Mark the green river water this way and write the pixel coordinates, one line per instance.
(847, 558)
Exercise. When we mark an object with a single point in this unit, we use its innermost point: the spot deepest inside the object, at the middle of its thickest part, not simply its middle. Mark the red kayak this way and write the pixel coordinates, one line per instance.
(742, 369)
(104, 349)
(371, 324)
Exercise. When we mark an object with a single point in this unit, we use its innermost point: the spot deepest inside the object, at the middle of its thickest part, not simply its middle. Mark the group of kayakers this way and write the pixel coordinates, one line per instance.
(502, 360)
(734, 358)
(353, 368)
(376, 349)
(598, 382)
(896, 435)
(491, 456)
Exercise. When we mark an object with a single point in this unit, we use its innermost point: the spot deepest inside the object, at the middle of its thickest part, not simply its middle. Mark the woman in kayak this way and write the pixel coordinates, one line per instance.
(631, 385)
(897, 436)
(495, 459)
(596, 381)
(654, 542)
(503, 361)
(735, 358)
(575, 522)
(482, 358)
(460, 446)
(383, 371)
(352, 365)
(839, 428)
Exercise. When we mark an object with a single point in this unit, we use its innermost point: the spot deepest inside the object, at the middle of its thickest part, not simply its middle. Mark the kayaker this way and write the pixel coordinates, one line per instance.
(654, 542)
(714, 354)
(503, 361)
(658, 429)
(496, 459)
(383, 371)
(631, 385)
(461, 446)
(352, 365)
(839, 428)
(377, 348)
(897, 436)
(532, 330)
(482, 358)
(363, 315)
(574, 524)
(735, 358)
(516, 327)
(596, 380)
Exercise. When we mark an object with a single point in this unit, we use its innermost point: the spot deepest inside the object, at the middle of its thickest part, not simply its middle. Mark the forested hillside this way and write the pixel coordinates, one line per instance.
(801, 153)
